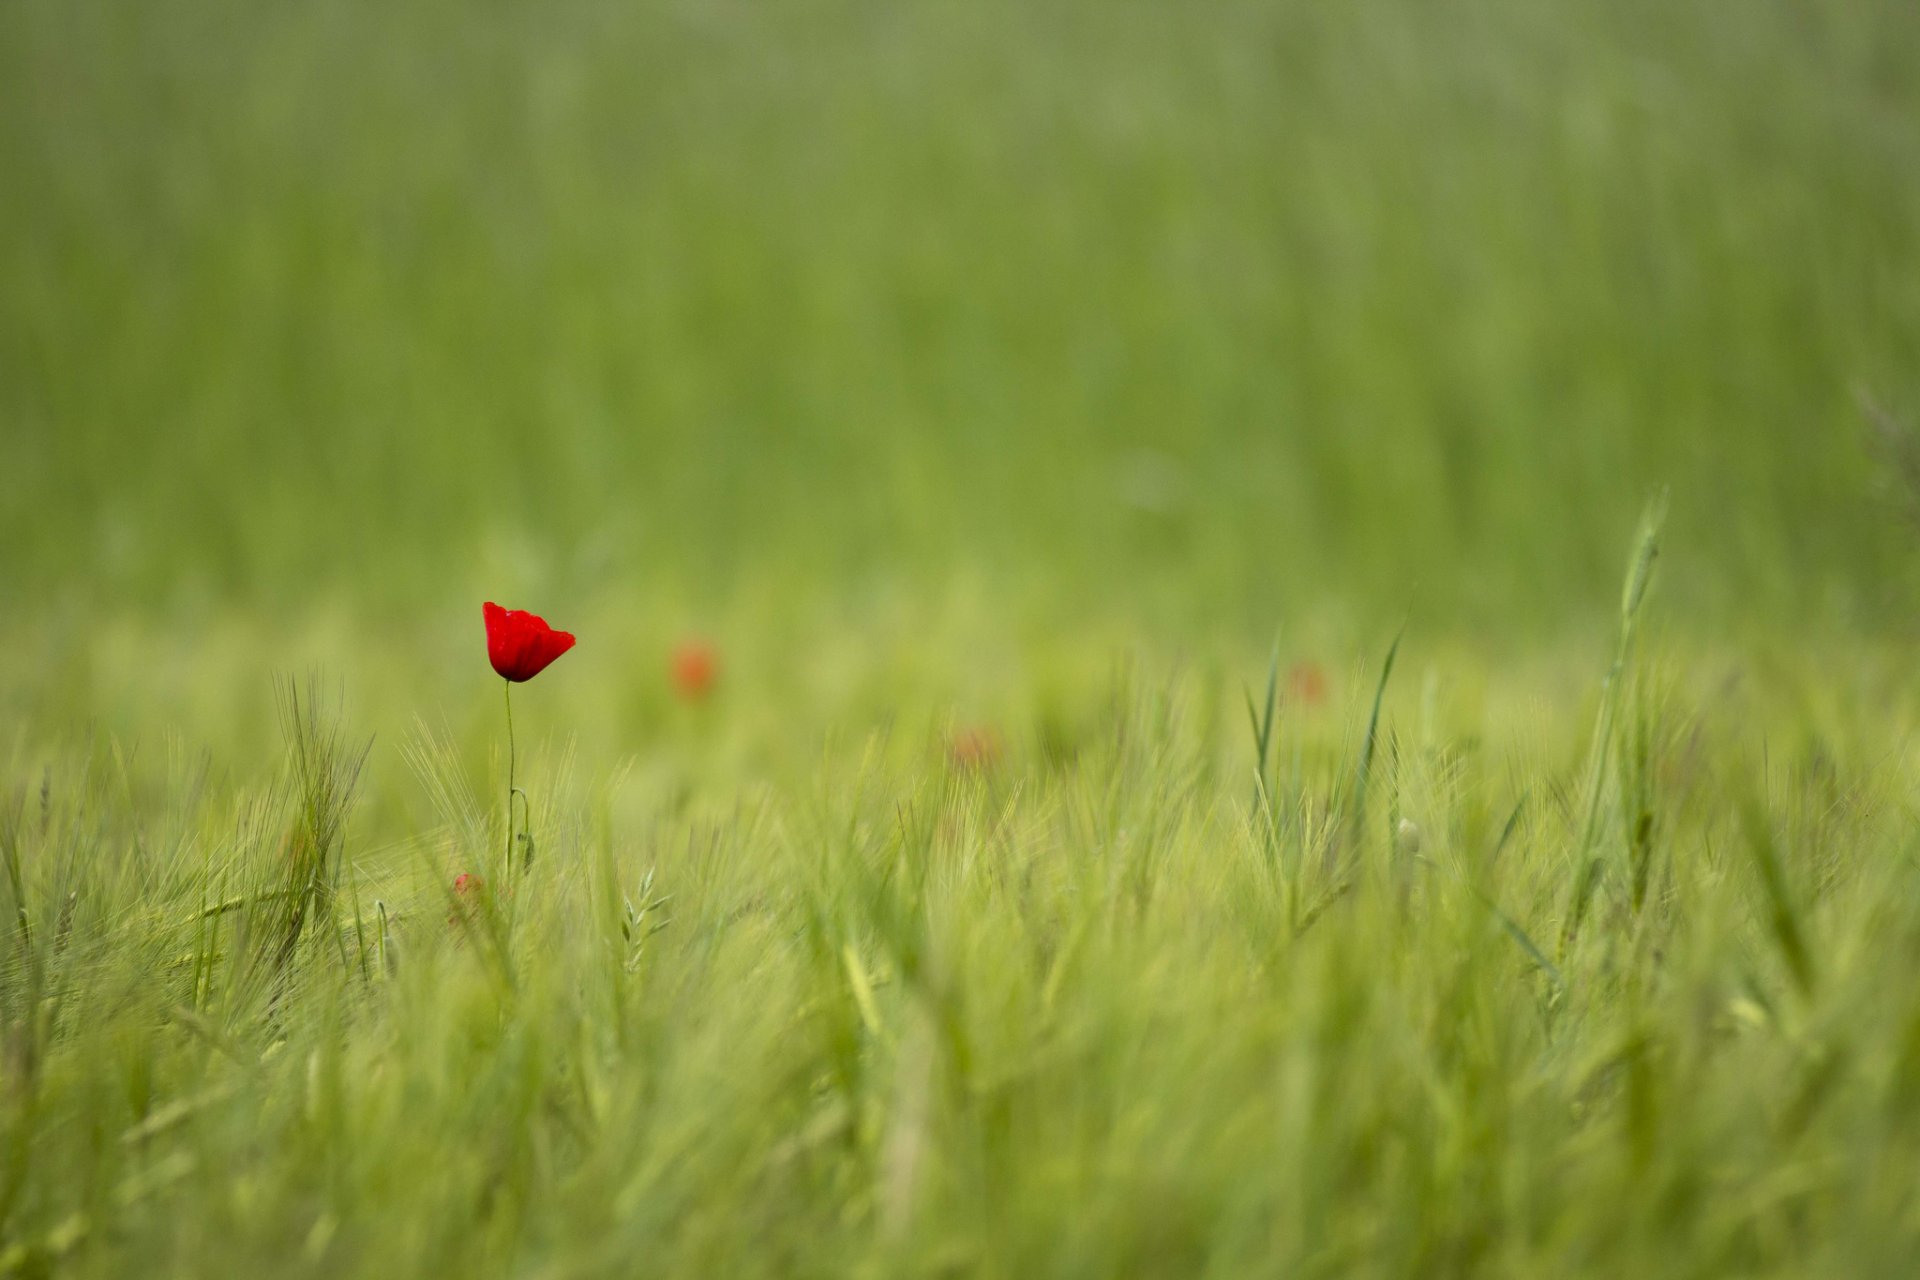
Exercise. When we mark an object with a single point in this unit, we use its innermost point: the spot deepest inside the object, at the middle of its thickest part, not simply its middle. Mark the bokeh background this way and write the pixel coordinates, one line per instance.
(944, 329)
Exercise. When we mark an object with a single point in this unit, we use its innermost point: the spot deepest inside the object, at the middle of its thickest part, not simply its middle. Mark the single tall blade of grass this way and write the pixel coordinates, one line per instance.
(1783, 916)
(1633, 595)
(1363, 772)
(1261, 720)
(324, 777)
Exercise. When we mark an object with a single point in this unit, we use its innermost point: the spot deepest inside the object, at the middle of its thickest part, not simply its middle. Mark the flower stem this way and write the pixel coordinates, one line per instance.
(508, 865)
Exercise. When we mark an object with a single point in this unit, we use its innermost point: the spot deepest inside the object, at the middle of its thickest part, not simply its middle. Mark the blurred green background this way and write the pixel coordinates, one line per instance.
(1195, 318)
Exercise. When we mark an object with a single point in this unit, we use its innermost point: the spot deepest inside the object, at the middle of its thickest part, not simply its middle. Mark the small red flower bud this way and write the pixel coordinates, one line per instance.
(974, 748)
(695, 669)
(1307, 682)
(467, 891)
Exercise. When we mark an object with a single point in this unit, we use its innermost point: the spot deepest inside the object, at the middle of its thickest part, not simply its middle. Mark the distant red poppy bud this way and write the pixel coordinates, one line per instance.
(976, 748)
(468, 889)
(521, 645)
(1307, 682)
(695, 668)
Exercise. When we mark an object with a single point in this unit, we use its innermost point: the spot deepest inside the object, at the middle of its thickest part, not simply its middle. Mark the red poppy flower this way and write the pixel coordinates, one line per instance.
(521, 645)
(695, 668)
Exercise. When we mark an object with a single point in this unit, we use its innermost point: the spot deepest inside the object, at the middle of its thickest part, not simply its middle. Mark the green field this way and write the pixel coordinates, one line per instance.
(1207, 773)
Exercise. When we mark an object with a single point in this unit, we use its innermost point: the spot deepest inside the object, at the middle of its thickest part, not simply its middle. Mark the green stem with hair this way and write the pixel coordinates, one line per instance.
(507, 865)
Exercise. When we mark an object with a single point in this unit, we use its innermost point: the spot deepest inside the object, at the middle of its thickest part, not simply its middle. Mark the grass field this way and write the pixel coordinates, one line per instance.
(1206, 774)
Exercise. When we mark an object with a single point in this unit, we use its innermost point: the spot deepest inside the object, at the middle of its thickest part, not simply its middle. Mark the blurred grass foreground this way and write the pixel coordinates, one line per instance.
(927, 415)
